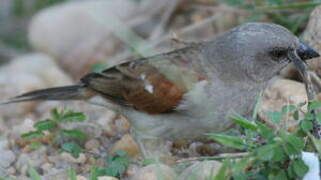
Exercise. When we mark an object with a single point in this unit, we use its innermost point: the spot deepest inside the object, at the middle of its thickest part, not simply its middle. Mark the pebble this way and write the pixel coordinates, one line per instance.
(155, 172)
(128, 144)
(69, 158)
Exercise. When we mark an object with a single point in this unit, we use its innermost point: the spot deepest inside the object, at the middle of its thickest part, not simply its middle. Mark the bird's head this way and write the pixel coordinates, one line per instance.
(259, 50)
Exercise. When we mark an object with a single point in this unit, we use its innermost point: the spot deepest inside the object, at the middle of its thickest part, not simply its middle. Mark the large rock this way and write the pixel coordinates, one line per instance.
(282, 92)
(26, 73)
(312, 37)
(76, 34)
(80, 34)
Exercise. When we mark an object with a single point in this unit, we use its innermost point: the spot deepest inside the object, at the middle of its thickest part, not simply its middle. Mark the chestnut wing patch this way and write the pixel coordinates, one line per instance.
(143, 87)
(153, 85)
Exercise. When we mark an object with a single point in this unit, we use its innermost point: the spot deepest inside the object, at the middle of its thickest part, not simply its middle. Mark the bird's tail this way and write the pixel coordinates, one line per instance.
(74, 92)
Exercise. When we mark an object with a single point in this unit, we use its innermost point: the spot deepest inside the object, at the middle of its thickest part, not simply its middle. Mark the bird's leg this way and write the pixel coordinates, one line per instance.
(315, 78)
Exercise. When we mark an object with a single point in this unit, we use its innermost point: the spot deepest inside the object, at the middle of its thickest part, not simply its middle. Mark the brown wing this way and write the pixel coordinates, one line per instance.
(154, 85)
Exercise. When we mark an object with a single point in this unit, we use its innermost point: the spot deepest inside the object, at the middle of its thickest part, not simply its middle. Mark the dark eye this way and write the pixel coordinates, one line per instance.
(278, 54)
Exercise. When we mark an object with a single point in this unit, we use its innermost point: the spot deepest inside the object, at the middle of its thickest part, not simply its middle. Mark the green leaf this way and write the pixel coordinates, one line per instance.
(35, 145)
(117, 164)
(300, 168)
(232, 2)
(318, 117)
(275, 116)
(243, 122)
(296, 142)
(266, 152)
(288, 109)
(33, 174)
(72, 148)
(292, 145)
(76, 134)
(291, 171)
(296, 115)
(279, 154)
(306, 125)
(223, 173)
(71, 116)
(231, 141)
(280, 175)
(266, 132)
(72, 173)
(93, 173)
(240, 165)
(55, 114)
(309, 116)
(314, 105)
(316, 142)
(290, 150)
(46, 125)
(32, 135)
(147, 162)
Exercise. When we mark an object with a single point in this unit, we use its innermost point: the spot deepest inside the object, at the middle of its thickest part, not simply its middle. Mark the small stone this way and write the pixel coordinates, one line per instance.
(56, 174)
(92, 144)
(107, 178)
(68, 157)
(46, 167)
(128, 144)
(132, 169)
(7, 157)
(106, 121)
(155, 172)
(81, 178)
(122, 124)
(4, 144)
(34, 159)
(11, 171)
(201, 171)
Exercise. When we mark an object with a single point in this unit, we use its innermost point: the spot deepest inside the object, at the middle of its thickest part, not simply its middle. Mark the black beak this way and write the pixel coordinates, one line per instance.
(300, 55)
(305, 52)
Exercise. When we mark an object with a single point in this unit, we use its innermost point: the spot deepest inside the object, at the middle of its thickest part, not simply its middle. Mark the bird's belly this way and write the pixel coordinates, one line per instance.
(201, 115)
(176, 126)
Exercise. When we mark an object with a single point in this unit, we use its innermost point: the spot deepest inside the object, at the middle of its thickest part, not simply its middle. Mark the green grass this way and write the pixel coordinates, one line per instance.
(293, 14)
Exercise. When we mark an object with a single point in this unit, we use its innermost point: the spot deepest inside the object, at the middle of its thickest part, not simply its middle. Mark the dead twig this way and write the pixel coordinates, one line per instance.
(307, 75)
(159, 30)
(218, 157)
(315, 78)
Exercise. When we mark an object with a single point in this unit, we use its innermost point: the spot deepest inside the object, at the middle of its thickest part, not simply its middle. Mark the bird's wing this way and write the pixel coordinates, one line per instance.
(154, 85)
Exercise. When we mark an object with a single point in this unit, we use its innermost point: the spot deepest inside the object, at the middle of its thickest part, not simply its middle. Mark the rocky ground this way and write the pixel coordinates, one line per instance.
(69, 38)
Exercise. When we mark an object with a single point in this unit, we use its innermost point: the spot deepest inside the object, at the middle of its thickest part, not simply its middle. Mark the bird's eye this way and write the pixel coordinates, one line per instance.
(278, 54)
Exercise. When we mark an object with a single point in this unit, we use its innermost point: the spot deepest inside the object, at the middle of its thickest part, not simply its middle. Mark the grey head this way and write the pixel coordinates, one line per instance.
(254, 52)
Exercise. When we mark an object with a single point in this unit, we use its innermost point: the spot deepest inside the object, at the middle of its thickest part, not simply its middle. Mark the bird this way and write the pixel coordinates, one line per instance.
(190, 91)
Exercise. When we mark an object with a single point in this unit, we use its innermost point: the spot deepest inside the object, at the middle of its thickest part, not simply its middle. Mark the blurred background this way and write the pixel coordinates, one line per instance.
(46, 43)
(96, 32)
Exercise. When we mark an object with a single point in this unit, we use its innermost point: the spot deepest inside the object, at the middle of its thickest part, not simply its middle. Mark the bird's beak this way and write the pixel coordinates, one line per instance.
(305, 52)
(300, 55)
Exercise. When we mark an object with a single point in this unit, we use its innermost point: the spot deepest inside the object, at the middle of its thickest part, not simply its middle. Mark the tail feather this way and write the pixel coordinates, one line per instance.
(74, 92)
